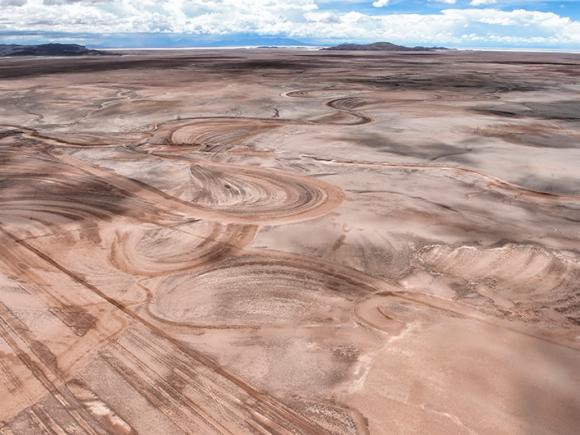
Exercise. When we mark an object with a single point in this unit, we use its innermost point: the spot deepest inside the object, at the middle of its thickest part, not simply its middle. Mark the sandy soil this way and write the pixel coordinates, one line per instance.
(290, 242)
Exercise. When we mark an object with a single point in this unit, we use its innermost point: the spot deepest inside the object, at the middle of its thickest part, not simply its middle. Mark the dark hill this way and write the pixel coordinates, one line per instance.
(47, 50)
(381, 46)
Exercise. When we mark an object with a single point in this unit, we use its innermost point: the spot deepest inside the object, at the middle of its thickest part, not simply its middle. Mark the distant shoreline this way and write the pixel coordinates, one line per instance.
(317, 48)
(232, 47)
(525, 50)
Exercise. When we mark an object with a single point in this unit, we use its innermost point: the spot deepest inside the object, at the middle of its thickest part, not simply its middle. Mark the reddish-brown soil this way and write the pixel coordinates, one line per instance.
(292, 242)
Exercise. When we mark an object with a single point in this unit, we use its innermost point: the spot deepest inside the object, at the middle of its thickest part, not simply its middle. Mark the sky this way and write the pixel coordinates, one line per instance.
(174, 23)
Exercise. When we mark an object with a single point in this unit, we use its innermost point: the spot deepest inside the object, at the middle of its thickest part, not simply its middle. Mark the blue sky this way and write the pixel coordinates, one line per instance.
(572, 7)
(140, 23)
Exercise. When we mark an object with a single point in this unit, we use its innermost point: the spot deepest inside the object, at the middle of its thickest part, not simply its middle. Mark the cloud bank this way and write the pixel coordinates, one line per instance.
(300, 19)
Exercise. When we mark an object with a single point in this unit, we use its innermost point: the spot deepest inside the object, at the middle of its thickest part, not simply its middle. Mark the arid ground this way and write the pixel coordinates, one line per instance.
(263, 241)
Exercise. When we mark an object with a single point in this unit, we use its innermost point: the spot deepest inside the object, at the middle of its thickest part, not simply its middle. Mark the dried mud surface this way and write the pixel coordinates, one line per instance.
(270, 241)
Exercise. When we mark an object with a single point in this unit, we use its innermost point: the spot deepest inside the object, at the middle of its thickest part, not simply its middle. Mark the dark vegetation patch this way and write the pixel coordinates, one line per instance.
(566, 110)
(430, 151)
(530, 136)
(554, 185)
(482, 83)
(42, 67)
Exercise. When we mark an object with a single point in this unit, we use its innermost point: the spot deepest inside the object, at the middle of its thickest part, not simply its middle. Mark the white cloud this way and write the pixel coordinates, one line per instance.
(12, 2)
(451, 26)
(482, 2)
(300, 19)
(381, 3)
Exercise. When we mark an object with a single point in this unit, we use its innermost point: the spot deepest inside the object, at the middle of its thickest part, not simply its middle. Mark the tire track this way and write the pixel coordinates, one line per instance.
(273, 409)
(493, 182)
(310, 198)
(270, 289)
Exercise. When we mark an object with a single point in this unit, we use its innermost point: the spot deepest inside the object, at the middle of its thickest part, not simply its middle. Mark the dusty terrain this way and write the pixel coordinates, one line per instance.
(284, 241)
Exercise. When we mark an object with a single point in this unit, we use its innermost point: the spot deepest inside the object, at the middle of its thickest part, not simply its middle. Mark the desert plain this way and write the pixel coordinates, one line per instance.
(290, 241)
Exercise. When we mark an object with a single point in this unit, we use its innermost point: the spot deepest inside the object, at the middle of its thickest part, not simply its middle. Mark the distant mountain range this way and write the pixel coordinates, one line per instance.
(381, 46)
(47, 50)
(55, 49)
